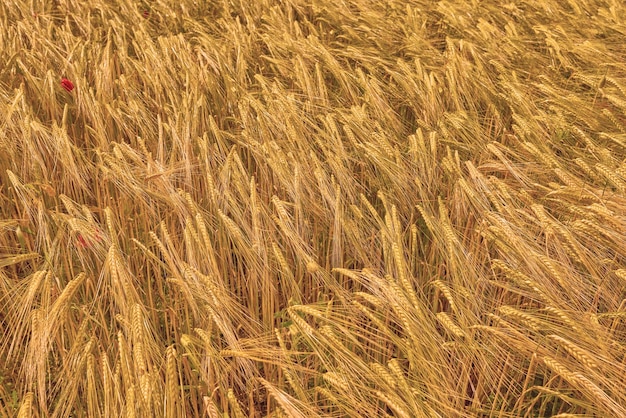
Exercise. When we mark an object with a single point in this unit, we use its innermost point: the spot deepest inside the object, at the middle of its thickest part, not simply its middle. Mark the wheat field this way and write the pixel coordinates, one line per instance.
(291, 208)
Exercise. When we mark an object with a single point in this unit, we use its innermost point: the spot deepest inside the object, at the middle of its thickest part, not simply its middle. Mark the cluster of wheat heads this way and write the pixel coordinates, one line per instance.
(313, 208)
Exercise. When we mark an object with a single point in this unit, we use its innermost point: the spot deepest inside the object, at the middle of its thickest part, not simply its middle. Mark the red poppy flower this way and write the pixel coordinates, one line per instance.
(146, 14)
(87, 241)
(82, 242)
(67, 84)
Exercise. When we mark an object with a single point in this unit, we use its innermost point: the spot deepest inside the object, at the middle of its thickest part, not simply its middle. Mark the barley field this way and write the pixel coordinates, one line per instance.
(322, 208)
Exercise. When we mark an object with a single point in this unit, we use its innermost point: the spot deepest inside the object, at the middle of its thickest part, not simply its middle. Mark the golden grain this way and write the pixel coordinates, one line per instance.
(258, 208)
(26, 406)
(581, 355)
(393, 404)
(449, 325)
(447, 293)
